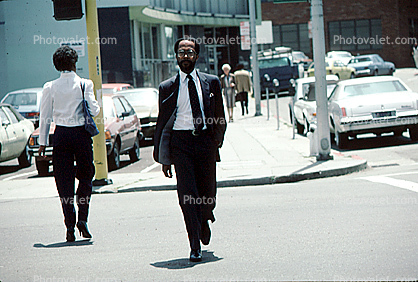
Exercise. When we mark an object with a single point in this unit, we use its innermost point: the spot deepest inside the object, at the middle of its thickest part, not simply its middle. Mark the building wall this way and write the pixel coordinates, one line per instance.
(29, 36)
(394, 15)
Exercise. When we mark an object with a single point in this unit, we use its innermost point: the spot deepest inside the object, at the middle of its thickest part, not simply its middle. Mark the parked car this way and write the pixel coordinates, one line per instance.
(336, 67)
(300, 58)
(122, 132)
(110, 88)
(304, 102)
(343, 56)
(371, 65)
(26, 102)
(15, 131)
(372, 105)
(145, 103)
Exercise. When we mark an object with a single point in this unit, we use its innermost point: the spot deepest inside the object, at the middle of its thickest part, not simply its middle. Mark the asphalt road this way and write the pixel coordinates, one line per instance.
(361, 226)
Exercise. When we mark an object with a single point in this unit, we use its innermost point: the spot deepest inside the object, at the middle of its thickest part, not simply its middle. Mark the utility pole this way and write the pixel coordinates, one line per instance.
(95, 72)
(323, 133)
(254, 60)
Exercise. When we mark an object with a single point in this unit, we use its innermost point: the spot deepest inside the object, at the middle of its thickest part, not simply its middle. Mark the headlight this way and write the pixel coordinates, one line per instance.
(108, 135)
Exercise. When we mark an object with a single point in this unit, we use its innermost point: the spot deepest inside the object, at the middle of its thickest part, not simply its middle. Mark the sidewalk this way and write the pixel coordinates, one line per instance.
(254, 153)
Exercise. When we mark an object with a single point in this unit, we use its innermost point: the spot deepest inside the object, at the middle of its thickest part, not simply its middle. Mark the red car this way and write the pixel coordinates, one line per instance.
(122, 131)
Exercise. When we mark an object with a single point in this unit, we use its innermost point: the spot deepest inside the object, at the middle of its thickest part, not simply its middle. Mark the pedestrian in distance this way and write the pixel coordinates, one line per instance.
(190, 130)
(228, 89)
(243, 86)
(62, 103)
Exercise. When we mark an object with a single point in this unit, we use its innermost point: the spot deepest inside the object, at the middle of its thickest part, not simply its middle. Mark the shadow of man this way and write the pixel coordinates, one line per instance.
(184, 263)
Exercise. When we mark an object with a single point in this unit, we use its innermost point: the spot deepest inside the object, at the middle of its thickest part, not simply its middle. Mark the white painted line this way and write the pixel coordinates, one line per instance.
(404, 184)
(148, 169)
(20, 175)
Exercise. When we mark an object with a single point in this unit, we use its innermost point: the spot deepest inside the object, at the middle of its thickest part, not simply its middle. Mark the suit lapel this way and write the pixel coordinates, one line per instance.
(205, 91)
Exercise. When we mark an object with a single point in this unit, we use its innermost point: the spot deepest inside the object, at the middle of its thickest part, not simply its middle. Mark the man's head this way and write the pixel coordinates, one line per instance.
(187, 52)
(65, 59)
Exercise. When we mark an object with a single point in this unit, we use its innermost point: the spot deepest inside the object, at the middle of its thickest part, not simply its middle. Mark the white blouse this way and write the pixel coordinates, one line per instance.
(61, 102)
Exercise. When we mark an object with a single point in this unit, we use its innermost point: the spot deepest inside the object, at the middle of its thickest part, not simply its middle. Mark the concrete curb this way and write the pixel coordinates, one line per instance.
(360, 165)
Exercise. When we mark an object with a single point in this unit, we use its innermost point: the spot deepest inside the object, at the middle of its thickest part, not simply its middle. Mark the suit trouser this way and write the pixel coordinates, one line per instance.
(194, 159)
(244, 101)
(73, 143)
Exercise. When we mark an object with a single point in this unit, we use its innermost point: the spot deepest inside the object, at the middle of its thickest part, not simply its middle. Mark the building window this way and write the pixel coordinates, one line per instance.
(355, 35)
(295, 36)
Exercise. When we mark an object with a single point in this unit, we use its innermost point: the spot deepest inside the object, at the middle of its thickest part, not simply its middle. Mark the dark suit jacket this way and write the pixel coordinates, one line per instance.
(213, 109)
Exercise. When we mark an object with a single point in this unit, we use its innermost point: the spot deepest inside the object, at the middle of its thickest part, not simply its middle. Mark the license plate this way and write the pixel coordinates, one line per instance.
(384, 114)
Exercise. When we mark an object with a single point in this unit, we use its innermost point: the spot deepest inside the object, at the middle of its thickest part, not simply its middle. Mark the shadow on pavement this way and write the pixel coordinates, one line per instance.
(85, 242)
(185, 262)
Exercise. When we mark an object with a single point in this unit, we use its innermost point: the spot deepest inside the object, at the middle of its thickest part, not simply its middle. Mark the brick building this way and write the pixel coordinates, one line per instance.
(386, 27)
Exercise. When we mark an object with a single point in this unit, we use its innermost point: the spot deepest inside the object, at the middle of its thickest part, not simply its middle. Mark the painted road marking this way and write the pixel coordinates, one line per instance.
(404, 184)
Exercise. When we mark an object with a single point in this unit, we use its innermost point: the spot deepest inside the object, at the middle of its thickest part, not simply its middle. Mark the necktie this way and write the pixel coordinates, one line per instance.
(194, 102)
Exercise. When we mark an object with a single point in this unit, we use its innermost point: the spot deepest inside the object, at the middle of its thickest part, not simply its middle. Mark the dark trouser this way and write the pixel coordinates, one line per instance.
(73, 143)
(244, 101)
(194, 159)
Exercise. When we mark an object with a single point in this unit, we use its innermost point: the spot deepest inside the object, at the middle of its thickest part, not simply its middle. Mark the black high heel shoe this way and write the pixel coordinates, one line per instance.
(82, 228)
(70, 235)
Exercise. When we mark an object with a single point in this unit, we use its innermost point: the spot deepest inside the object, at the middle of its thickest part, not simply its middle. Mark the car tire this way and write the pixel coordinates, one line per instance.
(114, 157)
(135, 152)
(352, 76)
(299, 128)
(376, 73)
(391, 71)
(25, 159)
(42, 167)
(341, 139)
(306, 126)
(413, 133)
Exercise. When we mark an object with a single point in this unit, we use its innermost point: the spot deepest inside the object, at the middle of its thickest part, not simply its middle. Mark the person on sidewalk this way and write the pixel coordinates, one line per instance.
(243, 86)
(190, 130)
(62, 103)
(228, 89)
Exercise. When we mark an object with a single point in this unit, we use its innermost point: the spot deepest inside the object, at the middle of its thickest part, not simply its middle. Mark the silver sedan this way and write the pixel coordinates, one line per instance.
(372, 105)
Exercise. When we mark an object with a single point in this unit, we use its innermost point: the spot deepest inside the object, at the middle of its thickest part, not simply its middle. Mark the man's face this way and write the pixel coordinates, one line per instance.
(186, 56)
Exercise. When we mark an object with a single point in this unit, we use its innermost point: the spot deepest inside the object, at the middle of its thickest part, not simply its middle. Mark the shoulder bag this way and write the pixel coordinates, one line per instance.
(89, 125)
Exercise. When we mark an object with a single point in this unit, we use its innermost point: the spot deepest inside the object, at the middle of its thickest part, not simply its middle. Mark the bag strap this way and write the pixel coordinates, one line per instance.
(82, 85)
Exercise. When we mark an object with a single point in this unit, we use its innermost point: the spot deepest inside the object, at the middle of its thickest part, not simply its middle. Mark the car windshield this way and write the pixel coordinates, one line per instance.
(21, 99)
(340, 55)
(141, 98)
(274, 62)
(309, 90)
(298, 56)
(372, 88)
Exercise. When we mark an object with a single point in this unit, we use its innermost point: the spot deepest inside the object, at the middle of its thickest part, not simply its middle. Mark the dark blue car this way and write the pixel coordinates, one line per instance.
(372, 64)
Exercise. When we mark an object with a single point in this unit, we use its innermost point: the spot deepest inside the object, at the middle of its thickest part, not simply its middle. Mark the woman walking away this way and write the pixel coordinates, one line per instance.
(62, 103)
(228, 89)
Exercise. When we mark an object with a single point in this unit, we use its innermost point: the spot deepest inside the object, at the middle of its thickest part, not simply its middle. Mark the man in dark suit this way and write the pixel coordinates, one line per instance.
(190, 130)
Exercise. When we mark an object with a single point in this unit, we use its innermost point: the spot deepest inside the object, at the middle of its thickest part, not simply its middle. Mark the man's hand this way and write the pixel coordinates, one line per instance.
(41, 151)
(167, 171)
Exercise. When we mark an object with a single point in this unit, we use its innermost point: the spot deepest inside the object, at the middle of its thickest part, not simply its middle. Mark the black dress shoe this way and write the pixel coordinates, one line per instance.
(82, 228)
(196, 255)
(70, 235)
(205, 233)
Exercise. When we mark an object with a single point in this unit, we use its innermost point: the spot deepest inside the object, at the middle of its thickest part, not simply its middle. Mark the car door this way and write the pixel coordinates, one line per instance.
(378, 62)
(8, 137)
(120, 123)
(130, 122)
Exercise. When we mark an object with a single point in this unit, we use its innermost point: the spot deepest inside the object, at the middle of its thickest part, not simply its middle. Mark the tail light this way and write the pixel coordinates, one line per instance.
(108, 135)
(32, 114)
(32, 141)
(343, 112)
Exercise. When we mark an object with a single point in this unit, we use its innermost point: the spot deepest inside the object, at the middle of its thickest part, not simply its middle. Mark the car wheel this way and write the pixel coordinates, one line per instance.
(135, 152)
(341, 139)
(376, 73)
(352, 76)
(114, 157)
(25, 159)
(299, 128)
(306, 126)
(42, 167)
(413, 133)
(391, 71)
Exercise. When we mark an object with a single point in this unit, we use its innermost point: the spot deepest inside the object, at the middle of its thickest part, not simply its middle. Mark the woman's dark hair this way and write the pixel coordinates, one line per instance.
(196, 45)
(65, 58)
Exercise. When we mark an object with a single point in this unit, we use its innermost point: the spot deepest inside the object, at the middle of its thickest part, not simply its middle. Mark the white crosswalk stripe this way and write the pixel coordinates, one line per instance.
(404, 184)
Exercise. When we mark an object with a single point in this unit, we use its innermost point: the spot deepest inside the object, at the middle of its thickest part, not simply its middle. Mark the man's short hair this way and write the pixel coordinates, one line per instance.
(196, 45)
(65, 58)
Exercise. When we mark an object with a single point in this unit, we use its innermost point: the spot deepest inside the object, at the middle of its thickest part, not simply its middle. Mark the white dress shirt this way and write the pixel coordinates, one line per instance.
(61, 102)
(184, 118)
